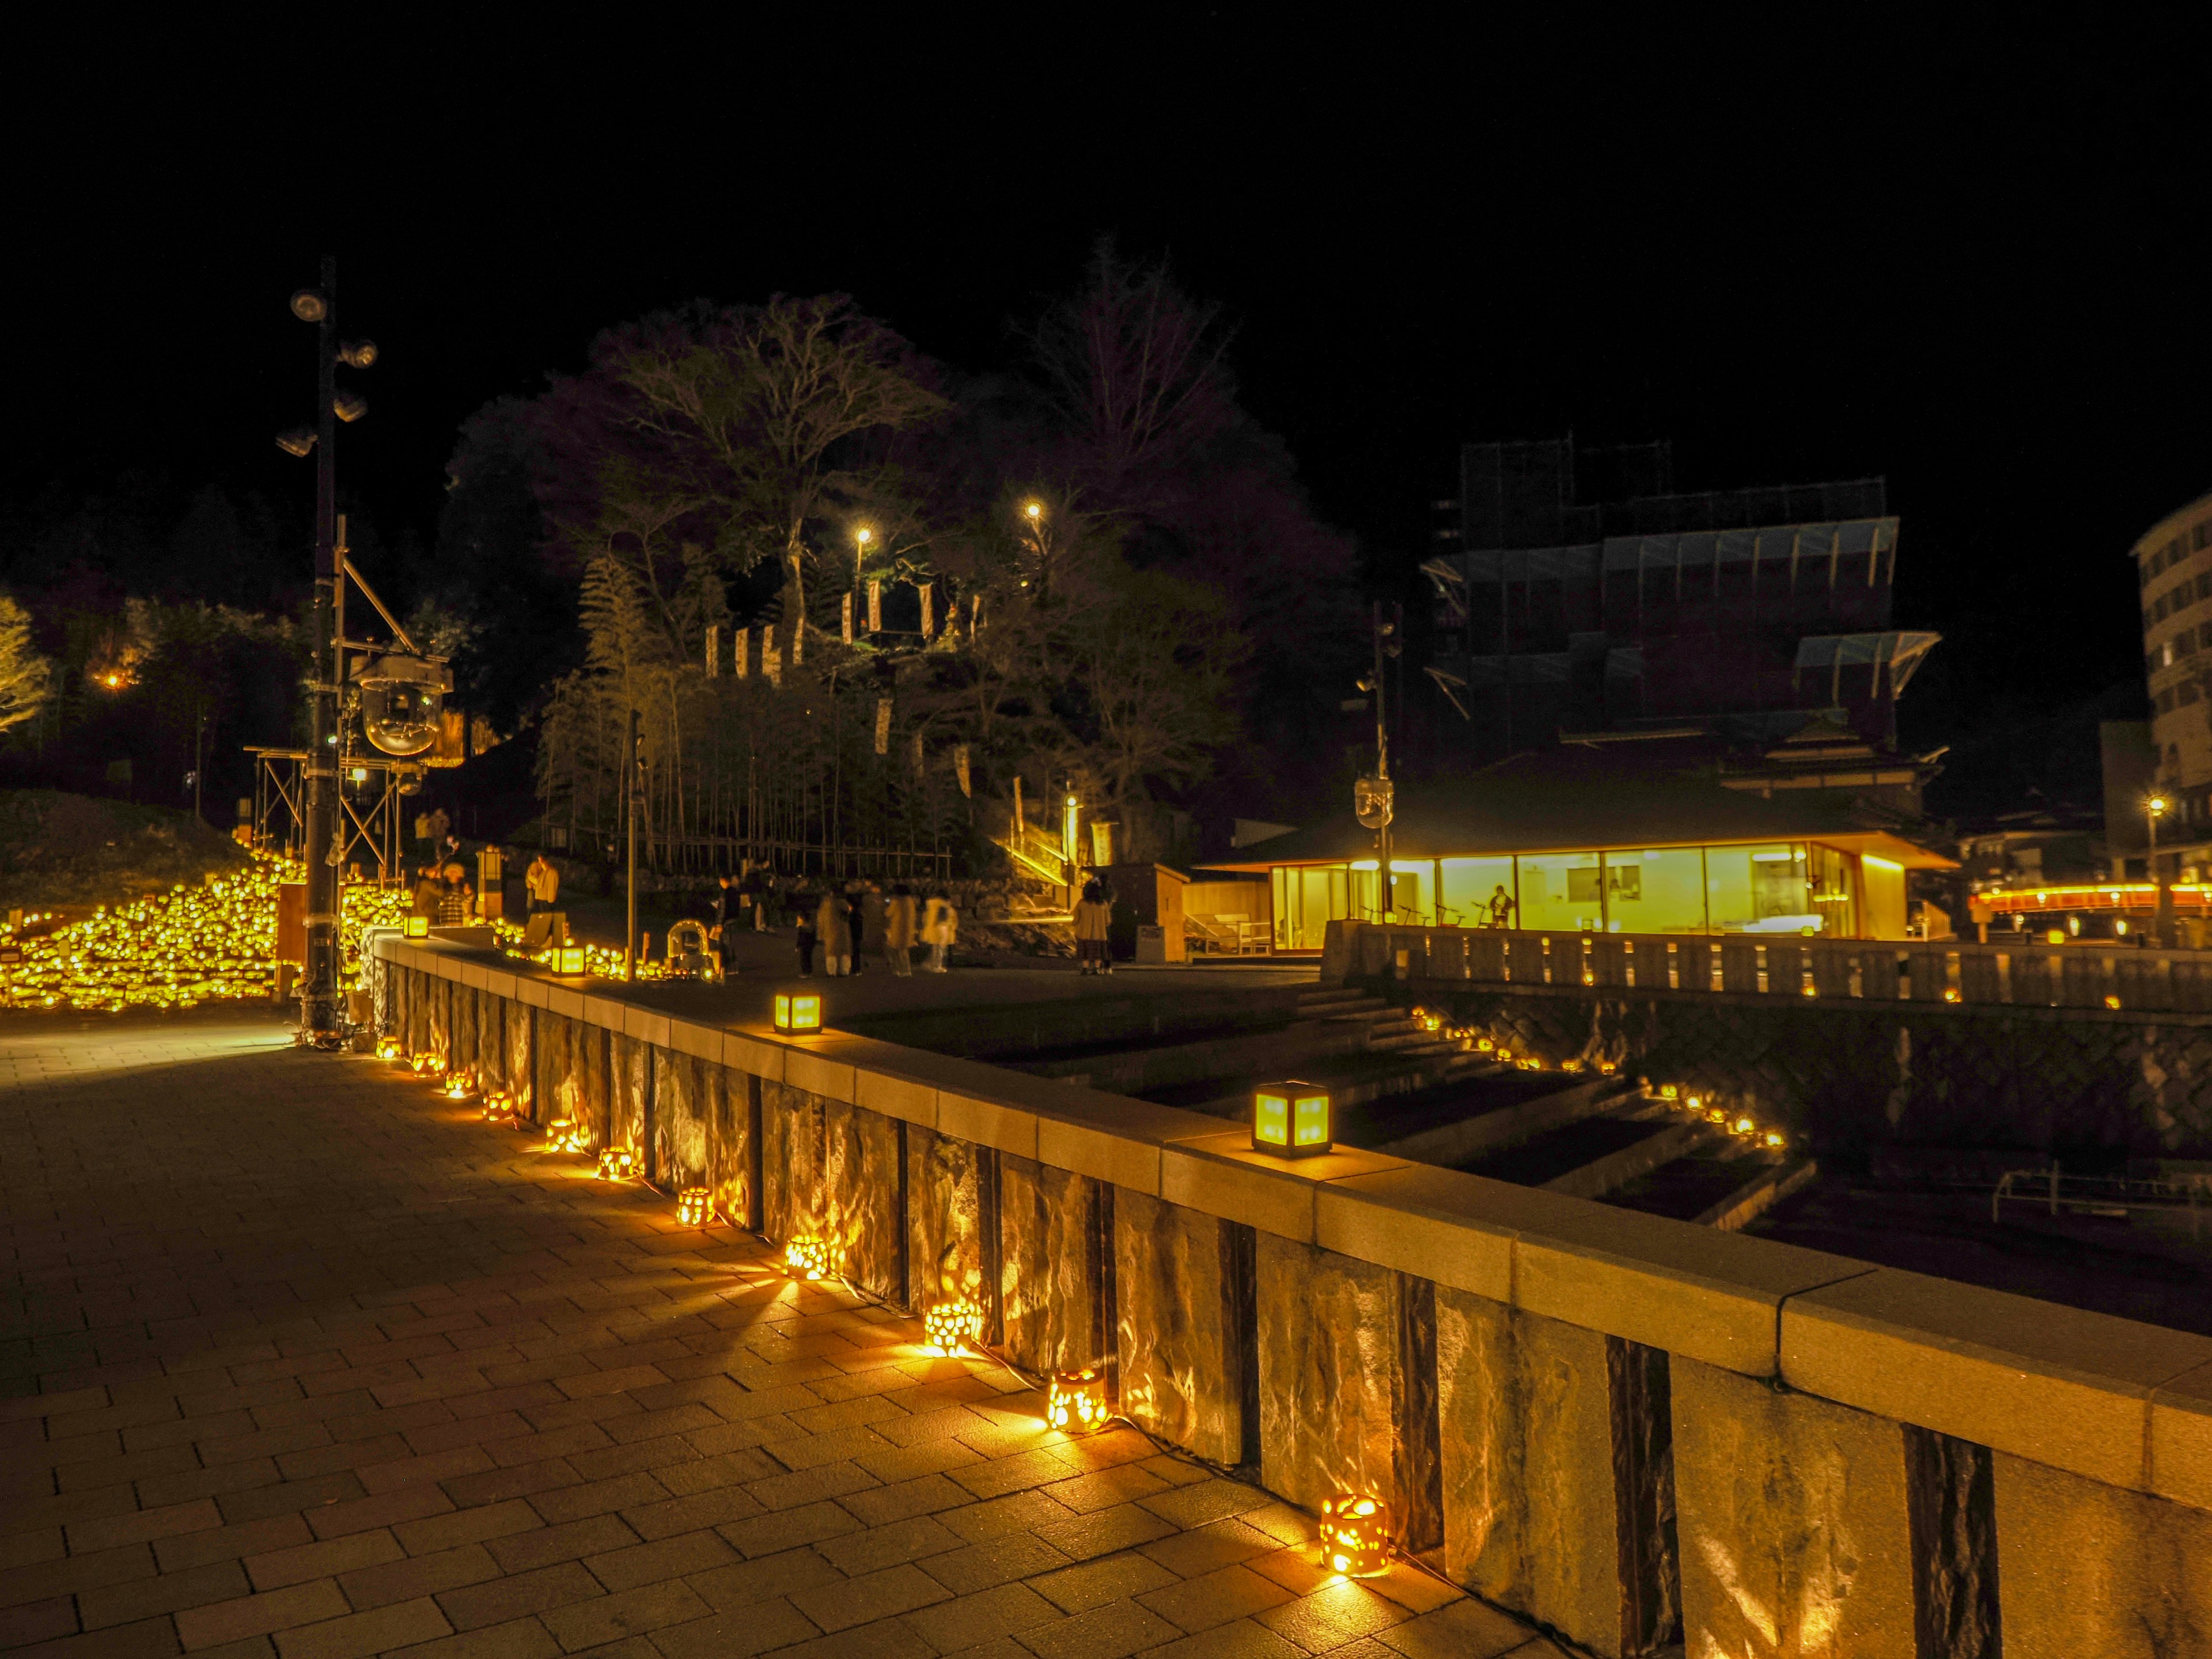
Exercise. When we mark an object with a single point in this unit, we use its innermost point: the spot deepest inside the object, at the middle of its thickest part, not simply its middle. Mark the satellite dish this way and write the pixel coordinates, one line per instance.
(400, 699)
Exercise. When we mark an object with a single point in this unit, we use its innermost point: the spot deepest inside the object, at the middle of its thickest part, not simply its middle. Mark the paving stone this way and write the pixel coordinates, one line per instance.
(761, 1628)
(1094, 1583)
(1215, 1598)
(417, 1575)
(667, 1558)
(1104, 1632)
(499, 1600)
(630, 1613)
(260, 1615)
(323, 1559)
(872, 1596)
(403, 1625)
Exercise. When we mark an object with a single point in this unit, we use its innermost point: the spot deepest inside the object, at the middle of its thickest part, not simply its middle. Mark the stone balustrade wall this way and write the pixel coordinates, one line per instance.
(1636, 1430)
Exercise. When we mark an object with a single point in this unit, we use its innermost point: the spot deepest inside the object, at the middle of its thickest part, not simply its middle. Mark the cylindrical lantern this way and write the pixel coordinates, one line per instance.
(694, 1206)
(1076, 1403)
(953, 1326)
(1355, 1535)
(808, 1257)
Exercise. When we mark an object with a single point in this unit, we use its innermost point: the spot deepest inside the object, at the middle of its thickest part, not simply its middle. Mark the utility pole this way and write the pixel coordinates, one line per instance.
(319, 1023)
(1374, 797)
(634, 798)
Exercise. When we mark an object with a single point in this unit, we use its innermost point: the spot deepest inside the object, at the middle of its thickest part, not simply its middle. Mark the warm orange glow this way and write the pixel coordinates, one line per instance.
(797, 1013)
(1355, 1535)
(953, 1326)
(617, 1164)
(809, 1257)
(2111, 1002)
(695, 1206)
(1076, 1402)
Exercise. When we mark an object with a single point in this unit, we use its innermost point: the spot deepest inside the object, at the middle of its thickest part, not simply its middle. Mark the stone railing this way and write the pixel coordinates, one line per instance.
(1633, 1430)
(2025, 974)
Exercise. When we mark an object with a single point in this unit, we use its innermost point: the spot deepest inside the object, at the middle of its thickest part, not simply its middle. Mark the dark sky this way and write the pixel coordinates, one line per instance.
(1969, 256)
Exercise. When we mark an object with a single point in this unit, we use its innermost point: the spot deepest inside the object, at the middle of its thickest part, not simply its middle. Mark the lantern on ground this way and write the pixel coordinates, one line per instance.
(459, 1087)
(808, 1257)
(953, 1326)
(1076, 1402)
(418, 926)
(389, 1050)
(1292, 1119)
(797, 1013)
(1355, 1535)
(694, 1205)
(1774, 1140)
(617, 1164)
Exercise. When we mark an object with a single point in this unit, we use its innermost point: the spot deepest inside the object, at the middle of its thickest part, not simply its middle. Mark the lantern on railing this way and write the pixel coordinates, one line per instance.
(809, 1257)
(1292, 1119)
(617, 1164)
(569, 959)
(418, 926)
(1355, 1535)
(953, 1326)
(1076, 1402)
(694, 1206)
(797, 1013)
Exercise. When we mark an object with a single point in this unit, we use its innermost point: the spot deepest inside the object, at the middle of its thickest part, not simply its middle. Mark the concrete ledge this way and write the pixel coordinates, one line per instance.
(605, 1011)
(1221, 1174)
(2055, 1385)
(1428, 1222)
(2181, 1439)
(810, 1063)
(1112, 1137)
(647, 1026)
(687, 1036)
(753, 1048)
(559, 999)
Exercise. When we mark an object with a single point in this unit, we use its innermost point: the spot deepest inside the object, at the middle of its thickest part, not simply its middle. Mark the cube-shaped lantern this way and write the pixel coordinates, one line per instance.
(693, 1206)
(569, 959)
(953, 1326)
(1355, 1535)
(389, 1050)
(797, 1013)
(1076, 1402)
(418, 926)
(808, 1257)
(1292, 1119)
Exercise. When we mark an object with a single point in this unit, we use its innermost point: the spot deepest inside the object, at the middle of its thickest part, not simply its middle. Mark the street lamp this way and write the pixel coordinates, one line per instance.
(2155, 808)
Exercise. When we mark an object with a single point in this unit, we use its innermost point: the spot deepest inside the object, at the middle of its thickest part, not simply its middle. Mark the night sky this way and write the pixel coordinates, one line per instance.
(1972, 259)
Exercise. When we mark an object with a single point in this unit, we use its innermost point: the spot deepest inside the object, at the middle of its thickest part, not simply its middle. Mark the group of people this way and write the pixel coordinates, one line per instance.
(836, 924)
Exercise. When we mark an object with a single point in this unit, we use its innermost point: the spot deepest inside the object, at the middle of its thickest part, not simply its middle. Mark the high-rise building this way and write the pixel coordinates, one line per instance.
(1588, 596)
(2173, 576)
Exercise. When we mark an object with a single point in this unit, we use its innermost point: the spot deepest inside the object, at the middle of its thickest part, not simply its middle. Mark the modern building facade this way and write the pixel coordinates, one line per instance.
(1586, 595)
(1581, 839)
(2173, 577)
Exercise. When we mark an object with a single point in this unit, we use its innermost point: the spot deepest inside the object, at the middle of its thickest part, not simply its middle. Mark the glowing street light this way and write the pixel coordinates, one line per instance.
(2155, 806)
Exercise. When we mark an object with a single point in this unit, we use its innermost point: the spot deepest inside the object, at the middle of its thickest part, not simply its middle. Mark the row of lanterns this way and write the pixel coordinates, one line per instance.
(1290, 1119)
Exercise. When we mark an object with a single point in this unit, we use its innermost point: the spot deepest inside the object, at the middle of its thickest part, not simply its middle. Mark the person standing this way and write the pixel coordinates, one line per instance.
(856, 922)
(805, 937)
(1501, 908)
(541, 883)
(833, 922)
(1093, 917)
(454, 899)
(899, 930)
(725, 913)
(940, 927)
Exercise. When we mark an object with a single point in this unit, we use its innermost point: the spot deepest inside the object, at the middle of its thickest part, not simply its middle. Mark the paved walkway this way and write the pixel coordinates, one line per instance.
(299, 1363)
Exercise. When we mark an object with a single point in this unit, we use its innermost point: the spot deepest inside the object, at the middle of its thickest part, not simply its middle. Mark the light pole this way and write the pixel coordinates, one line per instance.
(1374, 799)
(319, 1020)
(2155, 807)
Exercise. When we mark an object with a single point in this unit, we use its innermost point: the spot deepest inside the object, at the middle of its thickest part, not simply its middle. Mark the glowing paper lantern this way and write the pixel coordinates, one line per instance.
(808, 1257)
(1355, 1535)
(418, 926)
(694, 1205)
(617, 1164)
(569, 959)
(797, 1013)
(1076, 1402)
(1292, 1119)
(953, 1326)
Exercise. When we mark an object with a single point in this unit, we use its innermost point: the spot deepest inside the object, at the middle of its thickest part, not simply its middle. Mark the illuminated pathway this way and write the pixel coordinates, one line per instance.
(299, 1363)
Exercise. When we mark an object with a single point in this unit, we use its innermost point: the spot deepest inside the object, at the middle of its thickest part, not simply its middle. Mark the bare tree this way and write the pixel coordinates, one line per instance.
(25, 676)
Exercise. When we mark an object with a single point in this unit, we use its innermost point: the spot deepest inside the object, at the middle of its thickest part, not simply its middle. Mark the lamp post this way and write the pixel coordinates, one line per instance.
(319, 1021)
(2155, 807)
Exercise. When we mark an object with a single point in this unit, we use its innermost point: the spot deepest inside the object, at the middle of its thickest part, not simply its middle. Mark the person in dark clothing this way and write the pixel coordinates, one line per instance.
(855, 919)
(805, 936)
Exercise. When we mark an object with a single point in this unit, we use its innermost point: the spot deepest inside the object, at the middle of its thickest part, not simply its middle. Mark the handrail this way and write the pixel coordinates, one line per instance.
(2112, 979)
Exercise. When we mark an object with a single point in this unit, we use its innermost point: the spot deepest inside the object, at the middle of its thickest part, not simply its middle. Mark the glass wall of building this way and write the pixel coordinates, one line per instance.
(1759, 890)
(1784, 887)
(1470, 884)
(1562, 891)
(1658, 890)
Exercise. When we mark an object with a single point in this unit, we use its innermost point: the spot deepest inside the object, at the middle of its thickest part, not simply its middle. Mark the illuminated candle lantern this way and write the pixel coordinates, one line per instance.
(1672, 1091)
(797, 1013)
(569, 959)
(458, 1087)
(418, 926)
(1774, 1140)
(1355, 1535)
(2111, 1002)
(389, 1050)
(1606, 1068)
(1484, 1045)
(1717, 1115)
(1694, 1102)
(1076, 1402)
(952, 1326)
(693, 1206)
(1292, 1119)
(808, 1257)
(617, 1164)
(1744, 1125)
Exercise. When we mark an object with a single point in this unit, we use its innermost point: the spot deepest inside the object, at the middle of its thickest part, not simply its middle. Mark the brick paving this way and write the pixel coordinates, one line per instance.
(299, 1361)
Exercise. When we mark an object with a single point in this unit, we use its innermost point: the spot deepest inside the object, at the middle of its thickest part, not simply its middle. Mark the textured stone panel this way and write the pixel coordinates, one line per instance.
(2084, 1568)
(441, 1018)
(492, 1014)
(1047, 1275)
(1530, 1516)
(679, 1120)
(861, 1194)
(792, 1122)
(1329, 1374)
(1791, 1511)
(517, 1066)
(596, 1107)
(945, 1231)
(627, 1060)
(724, 1096)
(1178, 1353)
(1950, 1496)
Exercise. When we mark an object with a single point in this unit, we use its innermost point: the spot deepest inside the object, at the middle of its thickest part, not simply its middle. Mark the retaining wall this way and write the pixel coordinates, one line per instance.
(1634, 1430)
